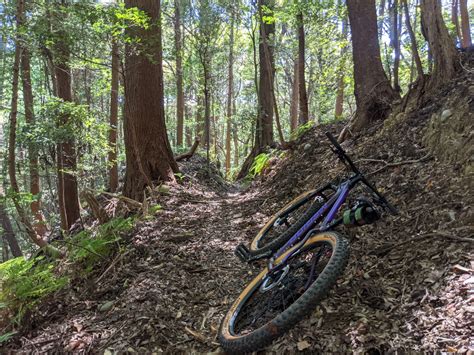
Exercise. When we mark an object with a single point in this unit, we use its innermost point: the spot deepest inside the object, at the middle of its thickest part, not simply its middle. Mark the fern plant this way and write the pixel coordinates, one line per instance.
(23, 283)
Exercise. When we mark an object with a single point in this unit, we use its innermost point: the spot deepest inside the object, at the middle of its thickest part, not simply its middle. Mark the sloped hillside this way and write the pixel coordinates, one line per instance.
(408, 286)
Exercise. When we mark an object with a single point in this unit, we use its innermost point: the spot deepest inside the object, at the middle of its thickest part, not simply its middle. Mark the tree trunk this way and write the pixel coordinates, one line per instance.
(207, 106)
(465, 25)
(373, 91)
(229, 96)
(179, 75)
(442, 48)
(264, 131)
(114, 91)
(455, 19)
(339, 109)
(414, 47)
(66, 155)
(8, 233)
(396, 30)
(38, 240)
(148, 152)
(40, 224)
(294, 99)
(303, 96)
(264, 122)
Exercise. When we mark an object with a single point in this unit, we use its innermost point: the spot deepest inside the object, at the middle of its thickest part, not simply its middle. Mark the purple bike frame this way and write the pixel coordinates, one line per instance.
(335, 201)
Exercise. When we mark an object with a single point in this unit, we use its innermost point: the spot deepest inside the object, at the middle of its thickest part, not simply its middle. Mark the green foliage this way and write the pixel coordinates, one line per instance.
(302, 129)
(90, 246)
(259, 164)
(25, 282)
(5, 337)
(155, 209)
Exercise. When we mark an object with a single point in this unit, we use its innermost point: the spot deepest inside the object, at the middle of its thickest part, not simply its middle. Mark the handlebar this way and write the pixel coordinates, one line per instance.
(339, 151)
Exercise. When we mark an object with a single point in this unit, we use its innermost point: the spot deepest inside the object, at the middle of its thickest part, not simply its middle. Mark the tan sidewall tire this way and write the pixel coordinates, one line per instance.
(298, 310)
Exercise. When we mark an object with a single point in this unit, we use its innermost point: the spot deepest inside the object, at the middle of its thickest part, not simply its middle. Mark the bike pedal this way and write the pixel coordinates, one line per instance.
(245, 255)
(242, 253)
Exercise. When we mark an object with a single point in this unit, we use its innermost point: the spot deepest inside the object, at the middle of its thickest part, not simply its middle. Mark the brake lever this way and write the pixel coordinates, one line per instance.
(381, 201)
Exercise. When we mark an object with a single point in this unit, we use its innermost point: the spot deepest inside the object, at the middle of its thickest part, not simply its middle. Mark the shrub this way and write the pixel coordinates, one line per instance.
(23, 283)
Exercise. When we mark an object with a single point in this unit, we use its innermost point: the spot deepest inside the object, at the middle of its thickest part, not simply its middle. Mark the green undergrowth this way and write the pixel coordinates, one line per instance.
(301, 130)
(26, 282)
(262, 162)
(90, 246)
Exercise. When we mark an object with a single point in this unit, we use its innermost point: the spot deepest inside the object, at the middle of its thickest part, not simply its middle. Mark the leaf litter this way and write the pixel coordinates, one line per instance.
(409, 284)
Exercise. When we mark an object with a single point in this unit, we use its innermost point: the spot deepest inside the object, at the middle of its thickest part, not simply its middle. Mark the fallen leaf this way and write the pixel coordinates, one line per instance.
(302, 345)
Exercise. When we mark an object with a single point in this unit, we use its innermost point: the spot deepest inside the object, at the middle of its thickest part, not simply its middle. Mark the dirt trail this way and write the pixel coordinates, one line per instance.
(409, 284)
(170, 289)
(178, 276)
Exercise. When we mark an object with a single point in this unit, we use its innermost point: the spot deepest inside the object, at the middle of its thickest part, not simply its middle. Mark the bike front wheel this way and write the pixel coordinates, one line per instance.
(285, 223)
(265, 310)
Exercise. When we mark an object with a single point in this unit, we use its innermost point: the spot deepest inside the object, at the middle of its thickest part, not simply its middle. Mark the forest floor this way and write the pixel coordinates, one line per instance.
(409, 284)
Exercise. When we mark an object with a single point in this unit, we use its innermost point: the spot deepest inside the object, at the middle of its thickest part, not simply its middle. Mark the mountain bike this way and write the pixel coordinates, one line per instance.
(305, 257)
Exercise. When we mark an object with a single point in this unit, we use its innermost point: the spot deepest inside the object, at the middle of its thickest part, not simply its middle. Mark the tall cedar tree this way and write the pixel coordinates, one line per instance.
(372, 90)
(455, 18)
(114, 103)
(303, 96)
(66, 150)
(148, 152)
(8, 234)
(294, 99)
(37, 239)
(179, 74)
(414, 47)
(442, 48)
(230, 85)
(264, 124)
(339, 106)
(264, 131)
(39, 223)
(465, 25)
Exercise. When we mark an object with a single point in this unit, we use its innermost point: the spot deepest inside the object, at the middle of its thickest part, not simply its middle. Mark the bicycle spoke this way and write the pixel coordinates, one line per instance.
(262, 307)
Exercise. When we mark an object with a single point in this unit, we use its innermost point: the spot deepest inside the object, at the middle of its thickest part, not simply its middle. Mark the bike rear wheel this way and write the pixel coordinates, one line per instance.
(263, 313)
(285, 223)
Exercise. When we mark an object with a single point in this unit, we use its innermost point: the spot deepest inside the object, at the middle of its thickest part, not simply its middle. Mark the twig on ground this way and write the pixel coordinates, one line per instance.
(112, 264)
(391, 165)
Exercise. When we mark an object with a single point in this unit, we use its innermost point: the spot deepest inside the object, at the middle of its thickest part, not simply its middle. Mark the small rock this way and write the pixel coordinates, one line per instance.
(471, 90)
(446, 114)
(164, 189)
(307, 146)
(107, 306)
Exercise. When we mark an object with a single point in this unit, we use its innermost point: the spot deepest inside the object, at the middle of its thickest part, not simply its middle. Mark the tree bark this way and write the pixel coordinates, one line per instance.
(303, 96)
(442, 48)
(148, 152)
(8, 234)
(179, 75)
(396, 29)
(339, 107)
(373, 91)
(264, 123)
(114, 91)
(294, 99)
(414, 47)
(455, 18)
(38, 240)
(230, 85)
(40, 224)
(264, 130)
(66, 155)
(465, 25)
